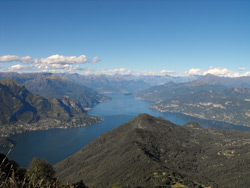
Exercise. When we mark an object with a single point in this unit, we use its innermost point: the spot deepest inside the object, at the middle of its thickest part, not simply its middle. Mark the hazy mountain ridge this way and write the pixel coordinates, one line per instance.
(108, 83)
(151, 152)
(204, 99)
(23, 111)
(124, 83)
(50, 85)
(162, 92)
(226, 81)
(163, 79)
(230, 105)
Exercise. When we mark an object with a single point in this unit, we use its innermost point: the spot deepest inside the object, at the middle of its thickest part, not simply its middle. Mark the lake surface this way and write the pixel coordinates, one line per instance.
(57, 144)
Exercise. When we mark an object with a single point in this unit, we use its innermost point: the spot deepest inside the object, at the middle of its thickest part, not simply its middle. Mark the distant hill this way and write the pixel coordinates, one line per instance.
(205, 83)
(50, 85)
(225, 81)
(124, 83)
(153, 152)
(170, 89)
(108, 83)
(230, 105)
(23, 111)
(204, 98)
(154, 80)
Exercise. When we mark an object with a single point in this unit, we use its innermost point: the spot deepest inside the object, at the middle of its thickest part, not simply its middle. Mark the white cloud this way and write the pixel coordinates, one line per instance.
(14, 58)
(60, 63)
(242, 68)
(159, 73)
(195, 72)
(19, 67)
(54, 63)
(222, 72)
(167, 72)
(58, 68)
(95, 59)
(60, 59)
(88, 70)
(53, 59)
(125, 71)
(118, 71)
(246, 74)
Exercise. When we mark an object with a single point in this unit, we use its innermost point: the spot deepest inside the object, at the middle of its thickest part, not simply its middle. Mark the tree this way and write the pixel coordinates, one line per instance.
(40, 173)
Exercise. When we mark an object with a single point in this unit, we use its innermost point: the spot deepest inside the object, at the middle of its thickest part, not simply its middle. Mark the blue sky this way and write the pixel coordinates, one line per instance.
(127, 36)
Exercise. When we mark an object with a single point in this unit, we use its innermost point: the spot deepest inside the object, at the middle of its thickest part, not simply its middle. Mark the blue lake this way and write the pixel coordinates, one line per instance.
(56, 144)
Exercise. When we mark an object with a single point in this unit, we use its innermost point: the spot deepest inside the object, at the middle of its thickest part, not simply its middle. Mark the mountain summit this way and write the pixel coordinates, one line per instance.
(150, 152)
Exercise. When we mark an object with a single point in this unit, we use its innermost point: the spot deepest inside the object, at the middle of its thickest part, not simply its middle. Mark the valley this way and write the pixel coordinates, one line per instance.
(110, 114)
(114, 113)
(124, 94)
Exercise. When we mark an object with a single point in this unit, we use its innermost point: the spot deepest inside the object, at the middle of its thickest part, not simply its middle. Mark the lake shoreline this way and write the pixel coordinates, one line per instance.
(57, 144)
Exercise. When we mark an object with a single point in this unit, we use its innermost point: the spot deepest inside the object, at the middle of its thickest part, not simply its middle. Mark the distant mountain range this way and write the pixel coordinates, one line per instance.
(204, 98)
(124, 83)
(64, 85)
(153, 152)
(22, 110)
(208, 97)
(50, 85)
(108, 83)
(225, 81)
(162, 92)
(163, 79)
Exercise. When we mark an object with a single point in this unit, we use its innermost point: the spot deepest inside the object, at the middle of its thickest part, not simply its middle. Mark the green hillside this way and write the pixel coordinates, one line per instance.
(23, 111)
(153, 152)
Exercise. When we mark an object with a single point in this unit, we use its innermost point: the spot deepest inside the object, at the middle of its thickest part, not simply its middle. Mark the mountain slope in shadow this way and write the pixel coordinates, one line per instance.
(150, 152)
(22, 111)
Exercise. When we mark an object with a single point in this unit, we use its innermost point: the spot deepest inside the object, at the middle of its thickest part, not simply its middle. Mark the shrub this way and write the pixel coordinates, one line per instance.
(40, 173)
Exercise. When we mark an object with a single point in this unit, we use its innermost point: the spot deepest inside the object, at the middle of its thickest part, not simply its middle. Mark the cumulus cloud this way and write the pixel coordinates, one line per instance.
(222, 72)
(19, 67)
(61, 68)
(53, 63)
(60, 59)
(14, 58)
(195, 72)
